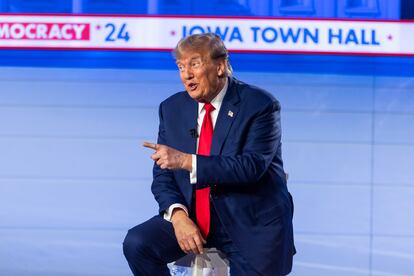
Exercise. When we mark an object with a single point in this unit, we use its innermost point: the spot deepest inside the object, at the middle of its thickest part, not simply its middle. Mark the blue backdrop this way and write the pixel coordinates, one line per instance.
(74, 176)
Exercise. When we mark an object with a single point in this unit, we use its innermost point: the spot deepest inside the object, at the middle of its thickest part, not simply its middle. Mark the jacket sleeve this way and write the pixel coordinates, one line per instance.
(164, 186)
(262, 142)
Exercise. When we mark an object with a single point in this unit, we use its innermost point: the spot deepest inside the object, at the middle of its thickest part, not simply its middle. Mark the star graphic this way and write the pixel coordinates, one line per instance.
(172, 33)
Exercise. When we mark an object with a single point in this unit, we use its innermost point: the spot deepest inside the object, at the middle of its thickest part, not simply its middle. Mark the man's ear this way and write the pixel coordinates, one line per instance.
(221, 69)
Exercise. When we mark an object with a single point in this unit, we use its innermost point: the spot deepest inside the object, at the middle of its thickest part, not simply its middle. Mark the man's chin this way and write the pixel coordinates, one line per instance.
(196, 96)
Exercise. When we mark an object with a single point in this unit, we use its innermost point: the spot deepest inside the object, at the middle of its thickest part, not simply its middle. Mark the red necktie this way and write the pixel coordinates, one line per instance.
(202, 198)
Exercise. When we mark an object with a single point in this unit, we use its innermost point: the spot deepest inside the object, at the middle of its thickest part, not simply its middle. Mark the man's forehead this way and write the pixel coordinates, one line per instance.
(190, 56)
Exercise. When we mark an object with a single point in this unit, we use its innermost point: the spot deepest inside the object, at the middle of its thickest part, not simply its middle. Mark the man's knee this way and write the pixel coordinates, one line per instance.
(135, 243)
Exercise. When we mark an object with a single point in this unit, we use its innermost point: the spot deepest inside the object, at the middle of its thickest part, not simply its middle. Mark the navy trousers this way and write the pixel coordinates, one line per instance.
(148, 247)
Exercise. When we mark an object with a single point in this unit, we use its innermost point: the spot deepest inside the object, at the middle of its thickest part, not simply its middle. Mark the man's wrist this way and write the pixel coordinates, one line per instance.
(187, 162)
(178, 214)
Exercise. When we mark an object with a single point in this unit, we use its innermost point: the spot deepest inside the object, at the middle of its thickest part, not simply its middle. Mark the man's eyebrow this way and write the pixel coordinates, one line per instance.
(191, 59)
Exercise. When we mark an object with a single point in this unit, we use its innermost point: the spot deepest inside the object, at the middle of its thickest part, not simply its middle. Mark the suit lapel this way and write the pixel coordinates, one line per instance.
(190, 123)
(228, 112)
(188, 141)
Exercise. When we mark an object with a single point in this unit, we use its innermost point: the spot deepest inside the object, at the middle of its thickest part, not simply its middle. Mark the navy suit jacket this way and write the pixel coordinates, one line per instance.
(244, 170)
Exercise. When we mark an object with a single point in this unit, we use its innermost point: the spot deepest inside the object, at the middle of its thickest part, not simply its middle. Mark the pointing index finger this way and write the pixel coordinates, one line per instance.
(150, 145)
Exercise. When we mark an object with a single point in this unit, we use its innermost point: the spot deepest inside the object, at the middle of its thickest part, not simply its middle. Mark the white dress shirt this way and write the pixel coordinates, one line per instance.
(216, 102)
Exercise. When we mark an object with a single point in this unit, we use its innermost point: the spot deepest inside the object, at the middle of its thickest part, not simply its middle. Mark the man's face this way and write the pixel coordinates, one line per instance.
(200, 75)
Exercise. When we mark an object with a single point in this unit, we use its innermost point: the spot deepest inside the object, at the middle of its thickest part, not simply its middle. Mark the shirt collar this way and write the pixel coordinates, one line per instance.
(217, 101)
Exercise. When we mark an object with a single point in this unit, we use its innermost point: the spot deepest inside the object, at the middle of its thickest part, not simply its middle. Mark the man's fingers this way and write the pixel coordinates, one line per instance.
(150, 145)
(182, 246)
(155, 156)
(199, 244)
(187, 248)
(193, 246)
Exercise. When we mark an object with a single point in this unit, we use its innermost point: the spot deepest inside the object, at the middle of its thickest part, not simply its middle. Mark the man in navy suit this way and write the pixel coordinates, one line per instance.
(218, 172)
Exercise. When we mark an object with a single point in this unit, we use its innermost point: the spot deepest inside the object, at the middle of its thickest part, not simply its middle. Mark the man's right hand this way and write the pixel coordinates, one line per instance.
(187, 233)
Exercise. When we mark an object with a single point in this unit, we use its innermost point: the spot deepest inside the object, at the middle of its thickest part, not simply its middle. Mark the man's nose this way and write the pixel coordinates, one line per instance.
(188, 74)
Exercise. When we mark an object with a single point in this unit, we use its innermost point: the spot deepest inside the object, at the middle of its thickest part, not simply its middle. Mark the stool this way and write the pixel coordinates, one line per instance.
(211, 263)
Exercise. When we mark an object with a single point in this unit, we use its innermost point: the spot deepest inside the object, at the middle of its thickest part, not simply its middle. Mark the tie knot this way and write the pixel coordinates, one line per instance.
(208, 107)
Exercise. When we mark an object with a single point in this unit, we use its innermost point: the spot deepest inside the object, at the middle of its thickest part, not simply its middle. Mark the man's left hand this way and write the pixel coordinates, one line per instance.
(169, 158)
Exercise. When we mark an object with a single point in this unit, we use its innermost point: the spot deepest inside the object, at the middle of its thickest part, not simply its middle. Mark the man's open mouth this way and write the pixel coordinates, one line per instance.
(192, 86)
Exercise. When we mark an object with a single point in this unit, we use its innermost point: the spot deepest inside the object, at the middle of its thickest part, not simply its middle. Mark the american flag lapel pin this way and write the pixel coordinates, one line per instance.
(230, 114)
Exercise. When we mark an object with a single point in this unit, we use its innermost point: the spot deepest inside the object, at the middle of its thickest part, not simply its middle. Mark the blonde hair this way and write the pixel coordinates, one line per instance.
(204, 43)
